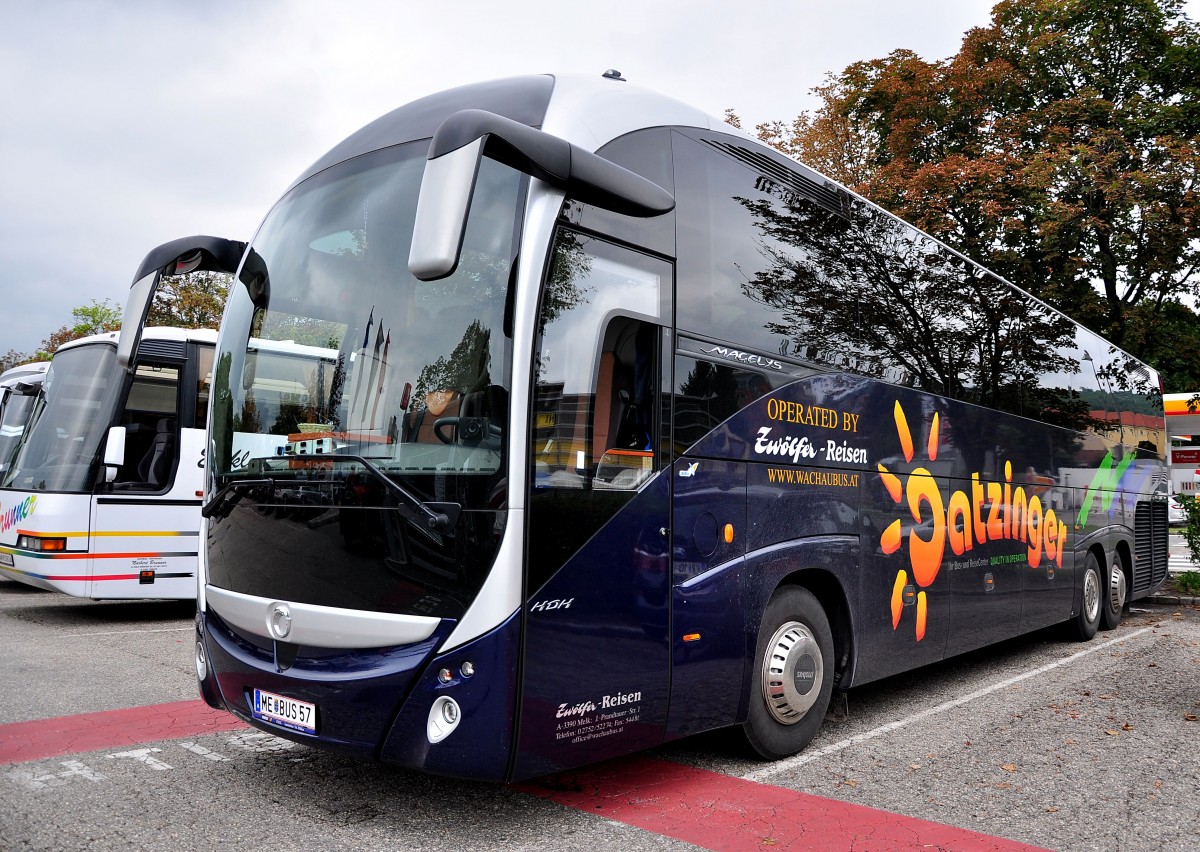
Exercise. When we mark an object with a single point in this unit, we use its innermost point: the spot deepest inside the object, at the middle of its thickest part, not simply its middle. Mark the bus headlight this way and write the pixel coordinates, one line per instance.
(201, 661)
(33, 542)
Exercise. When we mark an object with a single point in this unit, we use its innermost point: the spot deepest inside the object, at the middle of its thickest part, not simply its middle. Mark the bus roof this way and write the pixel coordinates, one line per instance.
(154, 332)
(33, 372)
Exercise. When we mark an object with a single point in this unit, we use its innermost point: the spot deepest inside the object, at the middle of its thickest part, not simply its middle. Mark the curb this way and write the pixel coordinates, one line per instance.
(1170, 600)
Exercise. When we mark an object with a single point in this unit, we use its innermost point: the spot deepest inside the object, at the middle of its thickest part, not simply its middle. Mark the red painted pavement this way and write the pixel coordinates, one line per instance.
(716, 811)
(708, 809)
(21, 742)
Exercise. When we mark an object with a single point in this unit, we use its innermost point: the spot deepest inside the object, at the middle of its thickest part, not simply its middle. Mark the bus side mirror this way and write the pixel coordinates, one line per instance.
(114, 452)
(452, 167)
(177, 257)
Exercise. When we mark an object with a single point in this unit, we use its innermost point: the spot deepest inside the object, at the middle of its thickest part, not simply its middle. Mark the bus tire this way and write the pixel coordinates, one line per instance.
(1087, 622)
(1115, 593)
(792, 678)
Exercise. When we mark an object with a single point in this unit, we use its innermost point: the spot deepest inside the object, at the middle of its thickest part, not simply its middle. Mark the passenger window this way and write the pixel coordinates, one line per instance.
(707, 394)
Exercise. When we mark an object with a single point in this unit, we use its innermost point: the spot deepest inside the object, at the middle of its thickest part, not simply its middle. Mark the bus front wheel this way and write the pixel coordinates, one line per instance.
(1094, 589)
(792, 678)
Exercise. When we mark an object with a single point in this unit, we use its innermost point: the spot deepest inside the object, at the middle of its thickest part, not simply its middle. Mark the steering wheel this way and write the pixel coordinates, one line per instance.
(470, 430)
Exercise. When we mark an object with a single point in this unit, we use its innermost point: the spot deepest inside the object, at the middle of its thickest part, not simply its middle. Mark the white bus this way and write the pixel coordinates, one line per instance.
(102, 496)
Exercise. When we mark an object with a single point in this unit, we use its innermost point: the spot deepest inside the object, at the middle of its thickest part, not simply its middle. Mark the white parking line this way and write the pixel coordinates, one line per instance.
(123, 632)
(809, 756)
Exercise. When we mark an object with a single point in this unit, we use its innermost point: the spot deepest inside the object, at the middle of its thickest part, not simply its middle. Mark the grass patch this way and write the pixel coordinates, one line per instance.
(1186, 582)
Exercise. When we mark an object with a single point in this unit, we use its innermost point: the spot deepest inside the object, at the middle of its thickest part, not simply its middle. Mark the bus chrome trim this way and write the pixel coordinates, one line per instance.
(500, 595)
(319, 626)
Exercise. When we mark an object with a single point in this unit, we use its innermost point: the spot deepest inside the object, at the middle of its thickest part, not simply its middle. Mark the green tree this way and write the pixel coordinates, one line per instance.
(1060, 147)
(193, 300)
(93, 318)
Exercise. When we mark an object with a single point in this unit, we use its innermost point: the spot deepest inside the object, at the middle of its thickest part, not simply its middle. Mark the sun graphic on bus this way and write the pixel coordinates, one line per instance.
(925, 554)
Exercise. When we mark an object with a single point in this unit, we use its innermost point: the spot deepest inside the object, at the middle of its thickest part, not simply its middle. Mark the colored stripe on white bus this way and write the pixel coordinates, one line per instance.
(140, 555)
(82, 577)
(108, 533)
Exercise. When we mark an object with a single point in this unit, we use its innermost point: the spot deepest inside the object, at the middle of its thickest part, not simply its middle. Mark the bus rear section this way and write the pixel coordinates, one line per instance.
(528, 453)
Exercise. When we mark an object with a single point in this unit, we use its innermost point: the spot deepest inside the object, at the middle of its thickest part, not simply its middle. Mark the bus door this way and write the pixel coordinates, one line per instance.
(595, 669)
(144, 538)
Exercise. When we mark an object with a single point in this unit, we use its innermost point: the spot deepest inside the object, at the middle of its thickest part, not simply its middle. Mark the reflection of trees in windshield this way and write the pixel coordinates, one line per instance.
(466, 370)
(869, 295)
(566, 286)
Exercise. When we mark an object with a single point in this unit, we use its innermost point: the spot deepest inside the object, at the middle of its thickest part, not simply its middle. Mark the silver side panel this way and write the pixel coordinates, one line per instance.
(320, 626)
(501, 593)
(591, 112)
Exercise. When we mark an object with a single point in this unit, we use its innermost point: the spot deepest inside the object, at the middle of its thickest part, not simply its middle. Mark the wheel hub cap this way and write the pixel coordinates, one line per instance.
(793, 673)
(1091, 596)
(1116, 588)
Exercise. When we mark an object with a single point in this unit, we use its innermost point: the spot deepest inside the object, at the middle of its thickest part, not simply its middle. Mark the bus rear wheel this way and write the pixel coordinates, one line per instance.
(1088, 619)
(1115, 592)
(792, 679)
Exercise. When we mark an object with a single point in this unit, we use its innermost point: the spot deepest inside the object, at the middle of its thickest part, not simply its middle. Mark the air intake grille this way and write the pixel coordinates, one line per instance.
(1151, 545)
(175, 350)
(830, 197)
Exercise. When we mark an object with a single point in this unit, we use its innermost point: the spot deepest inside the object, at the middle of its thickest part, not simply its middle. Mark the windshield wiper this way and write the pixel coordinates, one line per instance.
(437, 516)
(219, 504)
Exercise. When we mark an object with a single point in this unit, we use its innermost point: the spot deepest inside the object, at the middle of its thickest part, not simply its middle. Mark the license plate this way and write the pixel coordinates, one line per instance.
(6, 559)
(288, 712)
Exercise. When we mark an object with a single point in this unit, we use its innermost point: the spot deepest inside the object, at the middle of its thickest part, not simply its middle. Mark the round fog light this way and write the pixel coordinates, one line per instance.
(467, 669)
(444, 717)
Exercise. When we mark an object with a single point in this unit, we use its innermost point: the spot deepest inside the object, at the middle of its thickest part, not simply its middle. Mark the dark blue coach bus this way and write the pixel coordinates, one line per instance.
(634, 428)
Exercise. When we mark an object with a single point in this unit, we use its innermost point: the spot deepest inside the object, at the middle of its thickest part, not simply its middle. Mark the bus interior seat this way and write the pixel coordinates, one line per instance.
(155, 465)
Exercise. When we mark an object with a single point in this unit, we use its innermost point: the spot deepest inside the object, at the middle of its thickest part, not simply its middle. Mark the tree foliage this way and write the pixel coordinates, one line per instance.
(193, 300)
(93, 318)
(1060, 147)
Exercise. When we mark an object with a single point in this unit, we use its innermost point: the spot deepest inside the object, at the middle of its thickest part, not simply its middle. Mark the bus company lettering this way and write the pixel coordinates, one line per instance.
(811, 415)
(580, 709)
(993, 511)
(788, 445)
(802, 448)
(619, 699)
(17, 513)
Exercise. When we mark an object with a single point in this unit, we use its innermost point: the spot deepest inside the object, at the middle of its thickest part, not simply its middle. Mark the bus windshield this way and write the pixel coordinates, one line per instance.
(79, 395)
(18, 410)
(349, 384)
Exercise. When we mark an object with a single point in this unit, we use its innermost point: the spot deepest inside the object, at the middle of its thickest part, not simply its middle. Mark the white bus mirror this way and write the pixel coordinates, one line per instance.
(174, 258)
(114, 452)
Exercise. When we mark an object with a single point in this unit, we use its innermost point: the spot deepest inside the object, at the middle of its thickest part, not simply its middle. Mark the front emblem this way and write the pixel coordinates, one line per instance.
(281, 621)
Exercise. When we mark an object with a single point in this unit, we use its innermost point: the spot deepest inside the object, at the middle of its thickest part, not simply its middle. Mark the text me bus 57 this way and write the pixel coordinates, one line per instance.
(100, 495)
(635, 429)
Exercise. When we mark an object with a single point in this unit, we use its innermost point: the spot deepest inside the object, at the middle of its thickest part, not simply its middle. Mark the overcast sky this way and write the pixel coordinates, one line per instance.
(126, 124)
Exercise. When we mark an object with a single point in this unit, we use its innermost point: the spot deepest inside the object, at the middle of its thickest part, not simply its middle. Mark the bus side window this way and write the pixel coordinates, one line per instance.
(708, 394)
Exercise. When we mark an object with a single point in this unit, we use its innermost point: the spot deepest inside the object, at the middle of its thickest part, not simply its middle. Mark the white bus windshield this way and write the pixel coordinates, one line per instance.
(80, 393)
